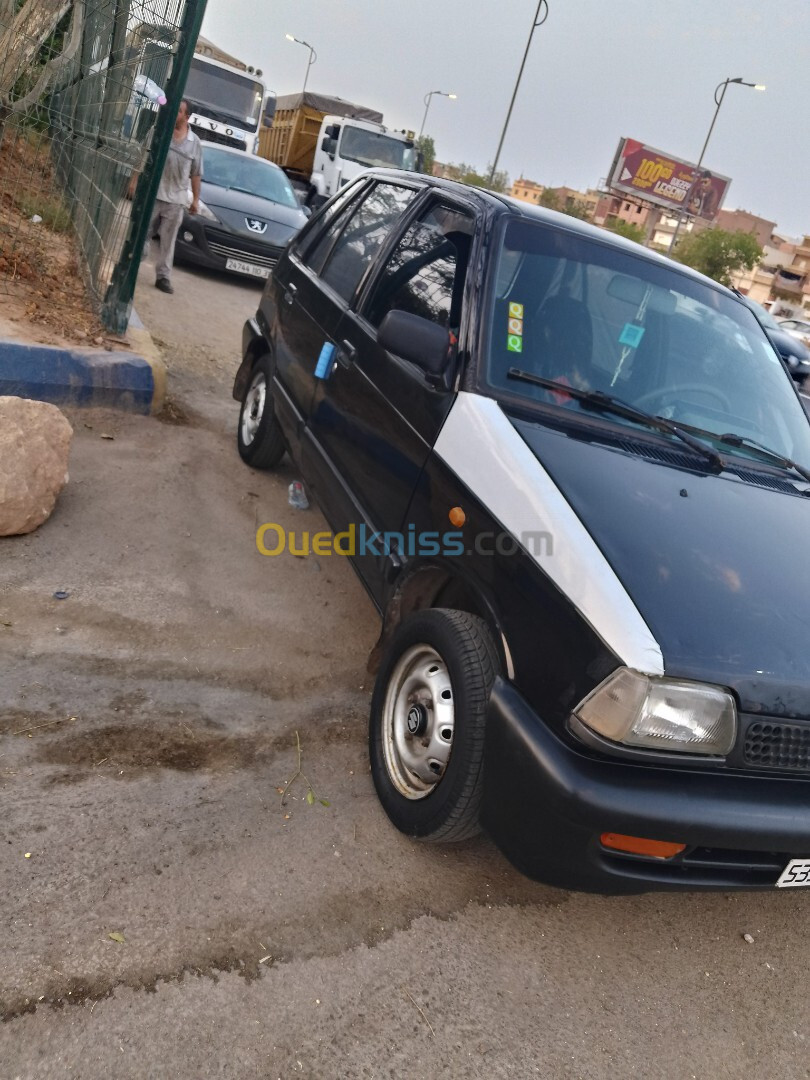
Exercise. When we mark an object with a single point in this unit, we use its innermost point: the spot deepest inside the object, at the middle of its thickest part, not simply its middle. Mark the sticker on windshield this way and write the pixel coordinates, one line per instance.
(514, 326)
(631, 335)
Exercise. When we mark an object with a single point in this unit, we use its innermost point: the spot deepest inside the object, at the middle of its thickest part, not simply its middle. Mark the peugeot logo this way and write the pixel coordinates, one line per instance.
(255, 225)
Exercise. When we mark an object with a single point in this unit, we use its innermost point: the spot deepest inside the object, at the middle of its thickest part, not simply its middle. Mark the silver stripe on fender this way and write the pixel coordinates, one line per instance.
(485, 451)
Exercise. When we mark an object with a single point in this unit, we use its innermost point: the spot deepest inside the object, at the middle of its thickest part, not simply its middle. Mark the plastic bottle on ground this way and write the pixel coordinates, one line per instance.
(297, 496)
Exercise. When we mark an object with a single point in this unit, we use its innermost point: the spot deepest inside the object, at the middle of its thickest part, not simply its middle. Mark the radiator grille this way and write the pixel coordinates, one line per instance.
(777, 746)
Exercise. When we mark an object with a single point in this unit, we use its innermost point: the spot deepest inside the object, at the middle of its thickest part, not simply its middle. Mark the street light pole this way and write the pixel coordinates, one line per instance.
(537, 22)
(718, 101)
(441, 93)
(313, 56)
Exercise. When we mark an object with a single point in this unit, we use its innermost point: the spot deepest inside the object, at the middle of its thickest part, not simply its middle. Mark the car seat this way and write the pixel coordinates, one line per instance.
(562, 335)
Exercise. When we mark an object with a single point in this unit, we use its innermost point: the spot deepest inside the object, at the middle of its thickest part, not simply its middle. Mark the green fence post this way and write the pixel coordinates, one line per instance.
(118, 300)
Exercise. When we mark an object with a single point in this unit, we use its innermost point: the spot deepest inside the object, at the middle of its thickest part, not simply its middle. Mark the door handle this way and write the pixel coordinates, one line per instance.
(347, 354)
(289, 295)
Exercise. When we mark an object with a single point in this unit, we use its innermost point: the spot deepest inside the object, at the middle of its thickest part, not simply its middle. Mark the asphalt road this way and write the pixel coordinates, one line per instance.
(148, 722)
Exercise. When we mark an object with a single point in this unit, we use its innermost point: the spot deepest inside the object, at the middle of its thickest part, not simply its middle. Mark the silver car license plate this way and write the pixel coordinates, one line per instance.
(247, 268)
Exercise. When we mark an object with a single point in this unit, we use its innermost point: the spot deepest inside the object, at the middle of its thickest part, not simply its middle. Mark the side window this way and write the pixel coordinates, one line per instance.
(363, 235)
(314, 248)
(425, 274)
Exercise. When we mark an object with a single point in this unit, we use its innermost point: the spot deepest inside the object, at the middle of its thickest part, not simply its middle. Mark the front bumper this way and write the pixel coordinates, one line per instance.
(208, 243)
(546, 805)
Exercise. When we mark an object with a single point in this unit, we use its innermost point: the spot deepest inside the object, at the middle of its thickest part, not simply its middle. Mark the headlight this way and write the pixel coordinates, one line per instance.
(661, 714)
(204, 211)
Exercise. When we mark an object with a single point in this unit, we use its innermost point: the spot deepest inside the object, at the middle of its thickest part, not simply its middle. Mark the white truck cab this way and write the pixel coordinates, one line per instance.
(347, 146)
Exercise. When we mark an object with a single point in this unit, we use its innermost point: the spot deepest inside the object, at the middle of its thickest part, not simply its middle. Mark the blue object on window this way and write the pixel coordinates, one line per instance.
(631, 335)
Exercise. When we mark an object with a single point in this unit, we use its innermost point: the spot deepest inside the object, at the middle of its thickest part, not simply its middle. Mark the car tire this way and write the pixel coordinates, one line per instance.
(259, 438)
(426, 730)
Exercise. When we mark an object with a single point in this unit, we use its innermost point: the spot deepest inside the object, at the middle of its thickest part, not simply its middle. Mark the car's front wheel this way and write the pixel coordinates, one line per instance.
(428, 714)
(259, 438)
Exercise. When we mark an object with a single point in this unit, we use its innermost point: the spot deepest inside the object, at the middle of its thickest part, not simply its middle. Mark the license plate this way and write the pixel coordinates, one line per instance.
(247, 268)
(797, 872)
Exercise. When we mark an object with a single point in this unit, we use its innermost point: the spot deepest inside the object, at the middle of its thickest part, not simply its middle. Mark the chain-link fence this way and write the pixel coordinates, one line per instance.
(89, 90)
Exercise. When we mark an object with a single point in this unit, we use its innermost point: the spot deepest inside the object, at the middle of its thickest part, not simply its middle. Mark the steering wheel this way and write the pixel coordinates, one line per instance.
(651, 396)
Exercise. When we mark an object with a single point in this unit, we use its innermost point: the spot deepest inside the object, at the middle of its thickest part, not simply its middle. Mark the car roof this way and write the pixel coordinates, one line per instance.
(508, 204)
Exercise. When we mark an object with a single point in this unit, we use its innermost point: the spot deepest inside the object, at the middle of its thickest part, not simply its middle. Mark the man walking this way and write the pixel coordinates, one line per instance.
(183, 167)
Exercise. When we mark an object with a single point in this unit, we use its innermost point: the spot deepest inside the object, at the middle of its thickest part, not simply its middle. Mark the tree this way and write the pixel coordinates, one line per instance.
(576, 208)
(550, 199)
(719, 253)
(426, 147)
(468, 174)
(628, 229)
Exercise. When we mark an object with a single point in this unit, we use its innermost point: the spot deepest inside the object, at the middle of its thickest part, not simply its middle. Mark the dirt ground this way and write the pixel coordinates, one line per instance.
(164, 914)
(42, 296)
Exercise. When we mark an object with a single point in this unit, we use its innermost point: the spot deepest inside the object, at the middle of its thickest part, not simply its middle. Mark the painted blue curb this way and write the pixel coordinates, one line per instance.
(77, 377)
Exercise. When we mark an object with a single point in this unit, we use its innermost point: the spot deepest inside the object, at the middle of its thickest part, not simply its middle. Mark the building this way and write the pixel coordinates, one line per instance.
(744, 221)
(527, 191)
(611, 208)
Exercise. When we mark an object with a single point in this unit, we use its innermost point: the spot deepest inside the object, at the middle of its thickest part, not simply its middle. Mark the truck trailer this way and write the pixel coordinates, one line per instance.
(325, 142)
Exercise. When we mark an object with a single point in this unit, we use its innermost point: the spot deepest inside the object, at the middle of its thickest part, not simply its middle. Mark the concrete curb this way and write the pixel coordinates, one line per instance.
(87, 377)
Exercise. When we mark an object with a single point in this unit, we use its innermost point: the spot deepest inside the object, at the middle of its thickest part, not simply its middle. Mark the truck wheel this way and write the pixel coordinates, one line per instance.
(426, 731)
(259, 437)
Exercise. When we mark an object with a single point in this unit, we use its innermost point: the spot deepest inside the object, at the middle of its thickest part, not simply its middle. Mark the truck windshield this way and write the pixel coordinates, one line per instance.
(595, 317)
(375, 150)
(223, 95)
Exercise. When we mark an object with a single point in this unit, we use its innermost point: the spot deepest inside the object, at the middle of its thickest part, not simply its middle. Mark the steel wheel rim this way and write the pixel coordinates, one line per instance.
(418, 722)
(253, 409)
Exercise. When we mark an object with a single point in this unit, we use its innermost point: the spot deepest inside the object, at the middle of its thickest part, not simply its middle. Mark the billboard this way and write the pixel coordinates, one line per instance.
(666, 181)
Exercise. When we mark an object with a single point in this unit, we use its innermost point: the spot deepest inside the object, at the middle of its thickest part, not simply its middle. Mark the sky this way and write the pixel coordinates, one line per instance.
(597, 70)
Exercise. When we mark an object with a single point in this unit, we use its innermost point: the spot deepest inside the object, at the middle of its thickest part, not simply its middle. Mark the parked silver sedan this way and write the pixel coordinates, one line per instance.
(798, 328)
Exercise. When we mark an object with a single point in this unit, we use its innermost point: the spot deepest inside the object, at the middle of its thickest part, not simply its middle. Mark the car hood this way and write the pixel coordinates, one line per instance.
(716, 565)
(233, 208)
(787, 345)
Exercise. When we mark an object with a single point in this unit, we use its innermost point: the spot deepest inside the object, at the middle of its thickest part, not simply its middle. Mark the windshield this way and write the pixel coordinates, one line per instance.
(764, 317)
(242, 172)
(224, 95)
(372, 149)
(593, 317)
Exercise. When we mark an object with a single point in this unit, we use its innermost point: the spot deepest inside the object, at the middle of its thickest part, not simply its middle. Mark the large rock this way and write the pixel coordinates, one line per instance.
(34, 446)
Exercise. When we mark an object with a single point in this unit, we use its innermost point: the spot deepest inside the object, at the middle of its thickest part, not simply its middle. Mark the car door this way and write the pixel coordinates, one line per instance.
(303, 317)
(321, 283)
(377, 416)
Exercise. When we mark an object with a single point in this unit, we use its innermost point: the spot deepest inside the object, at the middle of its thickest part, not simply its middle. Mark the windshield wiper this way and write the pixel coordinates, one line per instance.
(732, 439)
(596, 399)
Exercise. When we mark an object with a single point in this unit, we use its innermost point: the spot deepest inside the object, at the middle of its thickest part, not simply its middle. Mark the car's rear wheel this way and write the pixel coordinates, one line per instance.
(426, 731)
(259, 438)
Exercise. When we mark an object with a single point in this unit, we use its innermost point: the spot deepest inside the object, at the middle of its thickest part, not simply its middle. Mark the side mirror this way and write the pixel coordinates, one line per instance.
(332, 131)
(269, 112)
(307, 210)
(418, 340)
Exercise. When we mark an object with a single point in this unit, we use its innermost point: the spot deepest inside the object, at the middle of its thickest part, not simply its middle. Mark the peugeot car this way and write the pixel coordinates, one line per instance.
(248, 212)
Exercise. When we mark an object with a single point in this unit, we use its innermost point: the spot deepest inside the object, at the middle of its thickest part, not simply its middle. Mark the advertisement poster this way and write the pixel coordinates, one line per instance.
(667, 181)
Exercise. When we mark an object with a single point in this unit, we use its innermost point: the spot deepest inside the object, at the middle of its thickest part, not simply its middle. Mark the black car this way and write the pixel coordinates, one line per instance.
(572, 476)
(795, 354)
(248, 212)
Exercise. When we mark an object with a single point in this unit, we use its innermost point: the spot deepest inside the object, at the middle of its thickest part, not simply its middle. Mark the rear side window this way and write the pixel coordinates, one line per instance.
(362, 236)
(315, 244)
(425, 274)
